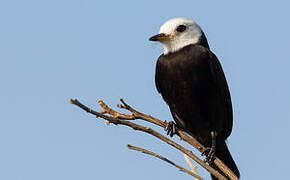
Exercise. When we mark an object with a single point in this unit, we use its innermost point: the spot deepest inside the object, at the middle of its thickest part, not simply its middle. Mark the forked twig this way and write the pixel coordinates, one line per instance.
(118, 118)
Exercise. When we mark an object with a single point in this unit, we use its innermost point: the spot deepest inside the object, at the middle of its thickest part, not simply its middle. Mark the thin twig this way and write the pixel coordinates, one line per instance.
(117, 121)
(192, 167)
(165, 159)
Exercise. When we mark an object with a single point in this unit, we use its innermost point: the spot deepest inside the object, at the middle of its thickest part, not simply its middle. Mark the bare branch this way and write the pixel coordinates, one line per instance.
(164, 159)
(138, 115)
(118, 118)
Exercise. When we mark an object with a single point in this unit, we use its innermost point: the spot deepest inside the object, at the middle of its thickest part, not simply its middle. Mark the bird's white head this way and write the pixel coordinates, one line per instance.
(177, 33)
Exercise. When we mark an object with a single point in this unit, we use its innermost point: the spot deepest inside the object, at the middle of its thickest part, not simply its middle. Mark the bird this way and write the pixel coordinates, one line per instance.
(191, 81)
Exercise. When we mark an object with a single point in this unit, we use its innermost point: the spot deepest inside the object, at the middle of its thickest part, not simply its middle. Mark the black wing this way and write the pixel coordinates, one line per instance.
(223, 94)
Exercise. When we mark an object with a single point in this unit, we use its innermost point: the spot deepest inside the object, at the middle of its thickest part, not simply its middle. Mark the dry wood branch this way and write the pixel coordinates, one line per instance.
(138, 115)
(164, 159)
(118, 118)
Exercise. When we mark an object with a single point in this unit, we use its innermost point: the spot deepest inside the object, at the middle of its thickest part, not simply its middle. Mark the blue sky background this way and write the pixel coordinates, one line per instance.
(51, 51)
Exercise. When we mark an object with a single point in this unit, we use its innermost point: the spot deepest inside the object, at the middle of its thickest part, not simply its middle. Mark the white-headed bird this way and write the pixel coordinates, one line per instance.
(191, 81)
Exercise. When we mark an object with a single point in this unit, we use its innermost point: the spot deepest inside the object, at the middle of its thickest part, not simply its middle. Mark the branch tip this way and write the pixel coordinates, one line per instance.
(107, 122)
(123, 102)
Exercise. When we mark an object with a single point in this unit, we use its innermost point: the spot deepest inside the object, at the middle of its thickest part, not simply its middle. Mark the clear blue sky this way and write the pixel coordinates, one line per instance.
(51, 51)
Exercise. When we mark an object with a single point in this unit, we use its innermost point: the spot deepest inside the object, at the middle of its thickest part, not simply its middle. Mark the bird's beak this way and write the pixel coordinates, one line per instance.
(160, 37)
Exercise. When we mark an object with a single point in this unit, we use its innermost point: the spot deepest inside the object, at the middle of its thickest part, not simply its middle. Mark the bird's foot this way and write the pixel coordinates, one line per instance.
(210, 154)
(171, 128)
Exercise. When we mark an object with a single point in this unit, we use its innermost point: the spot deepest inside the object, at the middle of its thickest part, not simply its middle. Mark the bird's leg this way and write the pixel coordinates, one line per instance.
(171, 128)
(210, 152)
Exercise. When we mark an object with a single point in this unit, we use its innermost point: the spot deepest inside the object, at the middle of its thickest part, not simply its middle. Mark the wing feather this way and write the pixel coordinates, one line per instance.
(223, 93)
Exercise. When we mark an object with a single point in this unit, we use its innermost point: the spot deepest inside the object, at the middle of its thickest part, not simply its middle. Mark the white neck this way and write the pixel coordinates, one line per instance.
(177, 44)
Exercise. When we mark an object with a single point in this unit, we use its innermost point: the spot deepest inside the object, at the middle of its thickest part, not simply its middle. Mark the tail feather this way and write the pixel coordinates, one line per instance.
(223, 153)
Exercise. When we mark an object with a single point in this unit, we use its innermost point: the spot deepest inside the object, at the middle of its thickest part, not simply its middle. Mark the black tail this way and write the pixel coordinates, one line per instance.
(223, 153)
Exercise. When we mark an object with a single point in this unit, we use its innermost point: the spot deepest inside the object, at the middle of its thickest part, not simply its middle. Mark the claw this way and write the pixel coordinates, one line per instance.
(171, 128)
(210, 154)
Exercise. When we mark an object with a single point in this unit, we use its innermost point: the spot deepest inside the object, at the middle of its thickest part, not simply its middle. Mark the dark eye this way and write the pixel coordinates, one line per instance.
(181, 28)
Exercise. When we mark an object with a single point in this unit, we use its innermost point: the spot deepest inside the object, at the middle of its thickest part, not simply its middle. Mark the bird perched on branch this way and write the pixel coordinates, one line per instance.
(191, 81)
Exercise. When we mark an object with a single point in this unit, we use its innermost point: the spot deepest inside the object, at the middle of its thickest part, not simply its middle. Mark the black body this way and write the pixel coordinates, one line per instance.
(192, 83)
